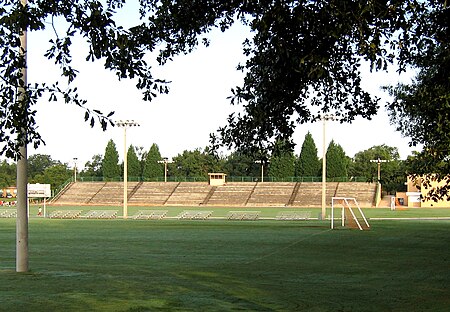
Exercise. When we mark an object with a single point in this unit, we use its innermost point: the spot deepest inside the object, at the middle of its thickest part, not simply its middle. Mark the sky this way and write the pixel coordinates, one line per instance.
(196, 106)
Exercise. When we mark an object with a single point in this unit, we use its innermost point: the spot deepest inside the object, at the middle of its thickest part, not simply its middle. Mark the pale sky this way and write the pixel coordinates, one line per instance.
(182, 120)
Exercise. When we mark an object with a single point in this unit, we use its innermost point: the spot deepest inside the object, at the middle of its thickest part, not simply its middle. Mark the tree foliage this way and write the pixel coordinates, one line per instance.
(55, 175)
(110, 162)
(37, 163)
(93, 168)
(421, 109)
(308, 163)
(7, 174)
(300, 50)
(197, 163)
(282, 162)
(241, 164)
(304, 59)
(134, 165)
(337, 161)
(392, 171)
(153, 169)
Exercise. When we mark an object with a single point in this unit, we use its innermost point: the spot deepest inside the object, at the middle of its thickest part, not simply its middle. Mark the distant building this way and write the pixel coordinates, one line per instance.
(416, 193)
(217, 179)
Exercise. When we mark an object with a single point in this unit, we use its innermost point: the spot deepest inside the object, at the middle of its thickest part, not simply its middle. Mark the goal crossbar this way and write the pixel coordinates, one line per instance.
(346, 203)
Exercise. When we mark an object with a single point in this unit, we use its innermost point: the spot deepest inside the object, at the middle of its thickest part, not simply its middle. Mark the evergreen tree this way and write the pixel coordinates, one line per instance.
(282, 163)
(134, 165)
(153, 169)
(308, 164)
(110, 163)
(337, 161)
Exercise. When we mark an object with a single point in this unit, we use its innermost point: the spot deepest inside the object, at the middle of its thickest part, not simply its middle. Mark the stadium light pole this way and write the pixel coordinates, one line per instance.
(75, 169)
(125, 124)
(262, 167)
(324, 118)
(379, 161)
(165, 161)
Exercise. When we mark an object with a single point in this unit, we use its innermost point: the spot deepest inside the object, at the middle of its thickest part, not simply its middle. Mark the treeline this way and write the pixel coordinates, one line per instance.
(282, 165)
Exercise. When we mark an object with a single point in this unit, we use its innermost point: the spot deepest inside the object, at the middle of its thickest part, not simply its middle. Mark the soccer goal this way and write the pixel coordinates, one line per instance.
(351, 214)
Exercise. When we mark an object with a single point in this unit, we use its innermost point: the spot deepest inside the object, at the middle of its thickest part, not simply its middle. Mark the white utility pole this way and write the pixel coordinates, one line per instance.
(125, 124)
(22, 172)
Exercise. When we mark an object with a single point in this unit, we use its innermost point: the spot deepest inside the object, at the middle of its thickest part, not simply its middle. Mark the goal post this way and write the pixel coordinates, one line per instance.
(351, 213)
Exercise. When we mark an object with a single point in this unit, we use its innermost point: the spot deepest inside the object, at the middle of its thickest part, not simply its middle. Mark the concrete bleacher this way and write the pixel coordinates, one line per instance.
(275, 194)
(189, 194)
(232, 194)
(363, 192)
(111, 193)
(310, 194)
(78, 193)
(153, 193)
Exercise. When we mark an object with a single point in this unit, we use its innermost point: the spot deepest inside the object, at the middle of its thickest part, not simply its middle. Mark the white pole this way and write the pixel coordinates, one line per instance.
(125, 174)
(332, 213)
(125, 124)
(75, 169)
(165, 161)
(262, 171)
(22, 264)
(324, 171)
(165, 171)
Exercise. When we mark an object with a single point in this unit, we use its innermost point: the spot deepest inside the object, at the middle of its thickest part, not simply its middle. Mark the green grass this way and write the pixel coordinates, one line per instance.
(169, 265)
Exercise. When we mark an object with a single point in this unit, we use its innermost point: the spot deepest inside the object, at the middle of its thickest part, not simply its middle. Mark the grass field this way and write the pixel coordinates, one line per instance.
(217, 265)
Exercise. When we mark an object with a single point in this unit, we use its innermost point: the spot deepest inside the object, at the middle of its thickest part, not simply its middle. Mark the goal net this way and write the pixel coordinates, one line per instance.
(351, 214)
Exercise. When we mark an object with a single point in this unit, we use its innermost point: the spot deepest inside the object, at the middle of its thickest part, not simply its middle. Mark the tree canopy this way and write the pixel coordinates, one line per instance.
(308, 164)
(134, 165)
(153, 169)
(337, 161)
(110, 162)
(304, 59)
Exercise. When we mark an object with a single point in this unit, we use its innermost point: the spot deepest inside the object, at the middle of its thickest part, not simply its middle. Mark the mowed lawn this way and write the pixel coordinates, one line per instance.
(218, 265)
